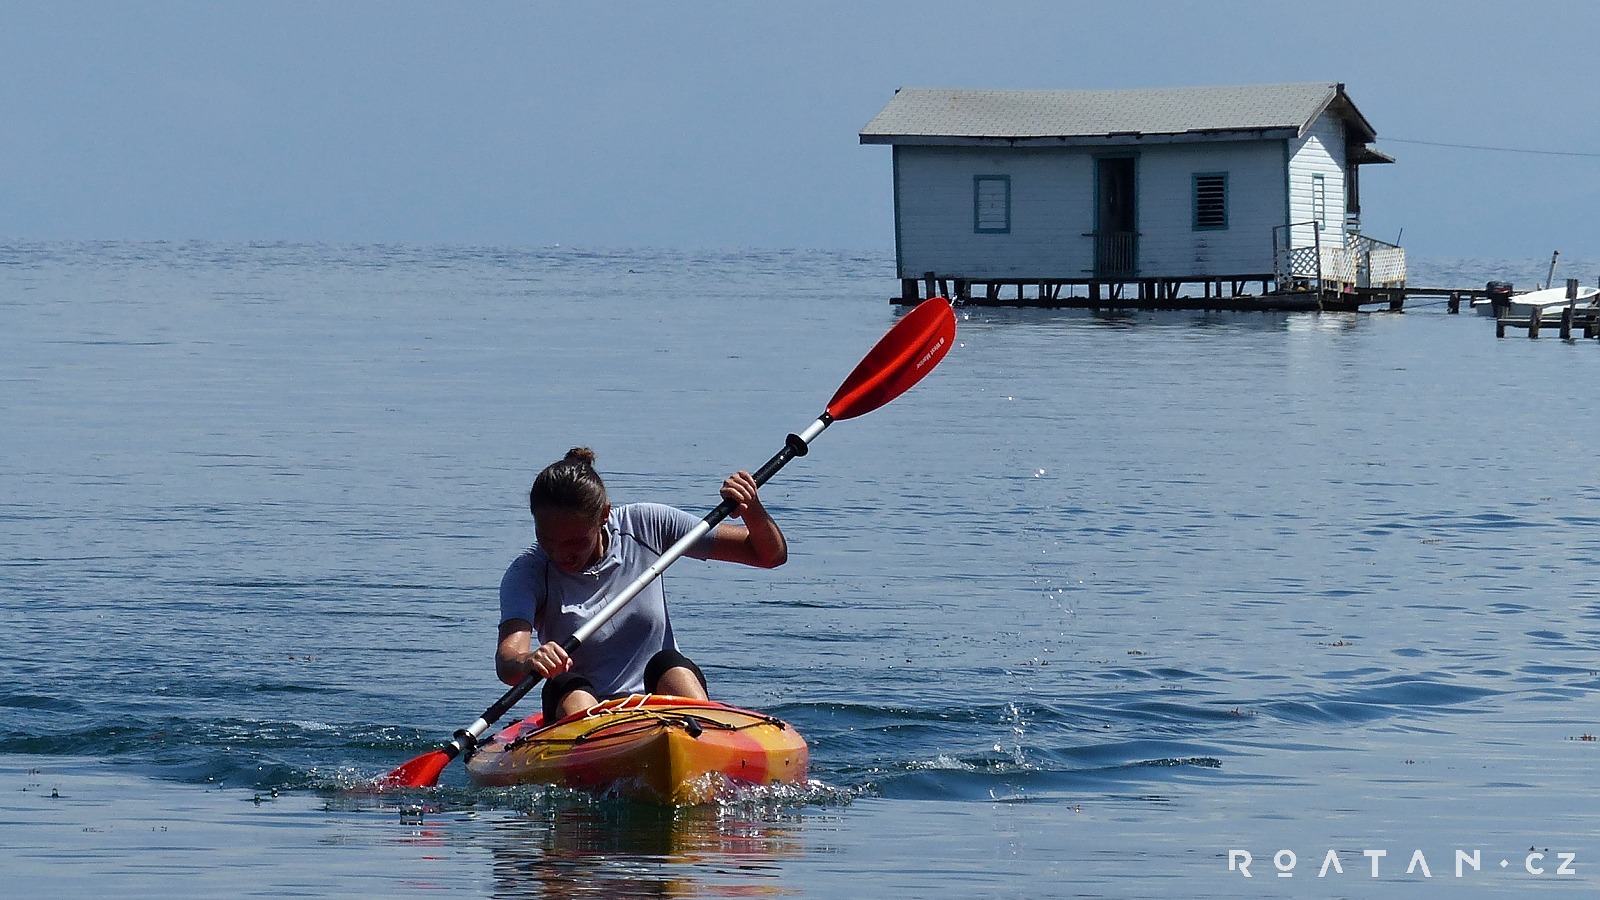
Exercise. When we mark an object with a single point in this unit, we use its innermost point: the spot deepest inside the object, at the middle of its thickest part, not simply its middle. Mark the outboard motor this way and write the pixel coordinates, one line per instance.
(1499, 294)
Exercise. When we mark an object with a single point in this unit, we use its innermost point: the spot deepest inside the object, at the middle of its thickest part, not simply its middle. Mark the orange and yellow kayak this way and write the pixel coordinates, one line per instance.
(649, 748)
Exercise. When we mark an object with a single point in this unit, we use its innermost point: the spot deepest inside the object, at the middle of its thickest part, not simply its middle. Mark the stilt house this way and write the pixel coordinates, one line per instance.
(1161, 191)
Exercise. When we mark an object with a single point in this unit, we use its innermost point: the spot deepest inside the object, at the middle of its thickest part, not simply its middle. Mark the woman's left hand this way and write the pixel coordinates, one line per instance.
(757, 542)
(740, 487)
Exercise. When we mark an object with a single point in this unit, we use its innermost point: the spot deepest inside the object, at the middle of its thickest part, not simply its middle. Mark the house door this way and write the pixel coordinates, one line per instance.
(1116, 238)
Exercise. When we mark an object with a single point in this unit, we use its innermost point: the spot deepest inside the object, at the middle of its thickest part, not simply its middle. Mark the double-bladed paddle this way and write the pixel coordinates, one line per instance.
(899, 360)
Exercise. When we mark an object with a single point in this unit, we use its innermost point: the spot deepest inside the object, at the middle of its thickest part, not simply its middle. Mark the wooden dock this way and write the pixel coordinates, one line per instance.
(1573, 319)
(1228, 294)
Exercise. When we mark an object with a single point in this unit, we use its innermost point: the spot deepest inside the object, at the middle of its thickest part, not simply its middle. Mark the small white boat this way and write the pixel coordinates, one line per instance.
(1549, 302)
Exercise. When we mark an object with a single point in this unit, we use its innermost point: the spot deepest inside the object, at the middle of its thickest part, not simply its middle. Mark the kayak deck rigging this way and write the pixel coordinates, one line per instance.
(644, 721)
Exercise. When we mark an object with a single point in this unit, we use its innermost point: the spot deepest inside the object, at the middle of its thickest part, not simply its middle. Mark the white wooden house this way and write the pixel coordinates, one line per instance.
(1166, 189)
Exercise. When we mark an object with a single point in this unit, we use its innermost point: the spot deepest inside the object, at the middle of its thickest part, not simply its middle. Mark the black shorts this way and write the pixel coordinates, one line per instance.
(560, 686)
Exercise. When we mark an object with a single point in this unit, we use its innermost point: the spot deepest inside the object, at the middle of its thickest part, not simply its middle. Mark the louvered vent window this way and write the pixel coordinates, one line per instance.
(991, 204)
(1211, 201)
(1319, 200)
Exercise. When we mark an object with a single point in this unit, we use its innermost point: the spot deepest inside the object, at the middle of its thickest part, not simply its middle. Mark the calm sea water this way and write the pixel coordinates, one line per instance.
(1105, 604)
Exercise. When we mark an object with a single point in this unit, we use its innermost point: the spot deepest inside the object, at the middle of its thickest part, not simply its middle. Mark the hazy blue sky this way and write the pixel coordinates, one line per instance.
(725, 124)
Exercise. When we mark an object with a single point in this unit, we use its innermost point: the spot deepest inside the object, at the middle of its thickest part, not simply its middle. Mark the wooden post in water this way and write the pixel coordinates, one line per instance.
(1591, 323)
(1571, 310)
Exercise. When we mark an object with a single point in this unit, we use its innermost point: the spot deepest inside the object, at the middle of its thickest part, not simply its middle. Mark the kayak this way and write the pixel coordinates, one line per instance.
(645, 747)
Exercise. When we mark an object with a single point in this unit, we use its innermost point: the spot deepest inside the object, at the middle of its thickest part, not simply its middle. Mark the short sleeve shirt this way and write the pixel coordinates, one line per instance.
(558, 604)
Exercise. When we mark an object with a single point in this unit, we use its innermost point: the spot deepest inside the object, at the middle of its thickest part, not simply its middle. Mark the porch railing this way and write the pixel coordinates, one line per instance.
(1357, 262)
(1116, 254)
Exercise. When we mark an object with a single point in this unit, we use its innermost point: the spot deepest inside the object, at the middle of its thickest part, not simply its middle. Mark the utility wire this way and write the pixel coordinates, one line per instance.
(1497, 149)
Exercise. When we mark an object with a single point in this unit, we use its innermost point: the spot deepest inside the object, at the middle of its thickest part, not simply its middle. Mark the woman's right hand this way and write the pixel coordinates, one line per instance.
(550, 660)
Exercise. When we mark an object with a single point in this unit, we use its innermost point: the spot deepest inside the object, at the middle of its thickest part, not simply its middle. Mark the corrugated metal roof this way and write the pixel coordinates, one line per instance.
(934, 113)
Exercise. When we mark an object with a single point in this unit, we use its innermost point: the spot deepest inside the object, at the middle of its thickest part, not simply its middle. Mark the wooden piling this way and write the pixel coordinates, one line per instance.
(1572, 295)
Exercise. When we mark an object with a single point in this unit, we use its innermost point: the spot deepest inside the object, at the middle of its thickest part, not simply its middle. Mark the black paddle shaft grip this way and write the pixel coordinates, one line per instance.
(793, 446)
(512, 697)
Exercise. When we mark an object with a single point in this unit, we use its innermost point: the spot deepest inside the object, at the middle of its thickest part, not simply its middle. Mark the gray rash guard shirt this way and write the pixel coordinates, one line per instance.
(558, 604)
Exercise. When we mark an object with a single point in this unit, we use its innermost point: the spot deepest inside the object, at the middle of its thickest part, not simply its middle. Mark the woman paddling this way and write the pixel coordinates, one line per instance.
(585, 551)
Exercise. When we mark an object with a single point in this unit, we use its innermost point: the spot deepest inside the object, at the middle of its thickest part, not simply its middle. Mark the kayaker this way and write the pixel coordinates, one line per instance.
(586, 550)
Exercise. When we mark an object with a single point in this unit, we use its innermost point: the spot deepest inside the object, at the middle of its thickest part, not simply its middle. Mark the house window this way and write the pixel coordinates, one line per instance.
(1211, 201)
(991, 204)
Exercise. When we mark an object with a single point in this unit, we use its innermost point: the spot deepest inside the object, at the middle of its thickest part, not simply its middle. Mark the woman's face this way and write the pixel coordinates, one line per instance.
(571, 540)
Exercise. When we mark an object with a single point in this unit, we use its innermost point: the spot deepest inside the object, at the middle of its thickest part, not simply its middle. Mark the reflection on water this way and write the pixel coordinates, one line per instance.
(545, 841)
(606, 849)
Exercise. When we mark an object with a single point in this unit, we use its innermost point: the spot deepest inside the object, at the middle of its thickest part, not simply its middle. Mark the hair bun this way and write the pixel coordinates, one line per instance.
(580, 455)
(571, 485)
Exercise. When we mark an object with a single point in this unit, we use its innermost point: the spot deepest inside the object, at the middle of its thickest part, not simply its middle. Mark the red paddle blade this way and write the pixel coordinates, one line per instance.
(899, 360)
(420, 772)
